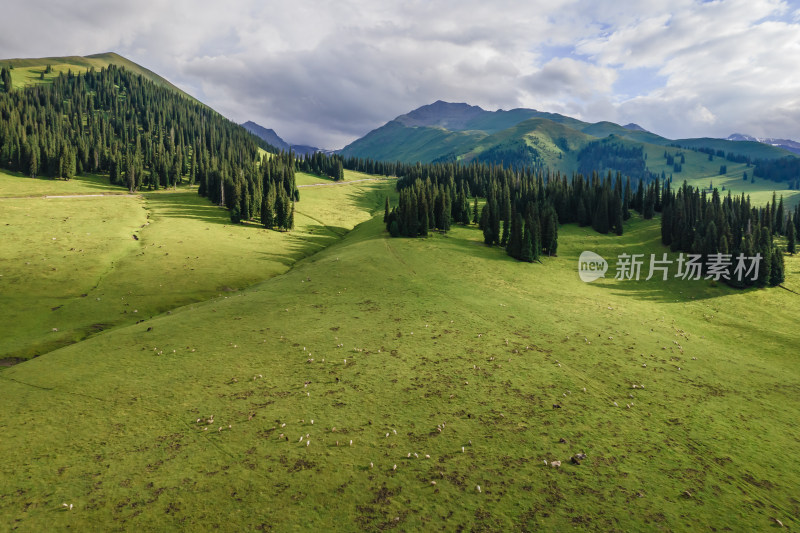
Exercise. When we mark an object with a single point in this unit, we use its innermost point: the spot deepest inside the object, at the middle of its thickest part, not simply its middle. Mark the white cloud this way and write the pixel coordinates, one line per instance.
(327, 73)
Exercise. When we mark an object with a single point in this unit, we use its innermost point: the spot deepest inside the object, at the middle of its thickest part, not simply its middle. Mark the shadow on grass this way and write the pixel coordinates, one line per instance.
(90, 182)
(670, 291)
(370, 195)
(187, 205)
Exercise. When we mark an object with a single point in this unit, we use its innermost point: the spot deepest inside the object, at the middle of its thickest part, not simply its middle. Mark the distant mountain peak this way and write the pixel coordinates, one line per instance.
(786, 144)
(440, 113)
(273, 139)
(268, 135)
(633, 127)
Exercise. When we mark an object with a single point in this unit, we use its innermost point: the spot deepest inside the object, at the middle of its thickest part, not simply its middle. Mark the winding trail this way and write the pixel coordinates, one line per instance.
(331, 184)
(47, 196)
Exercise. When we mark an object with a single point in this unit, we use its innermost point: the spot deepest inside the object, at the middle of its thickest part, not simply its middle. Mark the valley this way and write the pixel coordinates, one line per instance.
(202, 331)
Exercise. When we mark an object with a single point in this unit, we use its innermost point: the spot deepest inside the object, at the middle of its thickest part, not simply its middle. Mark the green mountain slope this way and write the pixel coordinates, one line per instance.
(28, 71)
(752, 149)
(395, 142)
(445, 131)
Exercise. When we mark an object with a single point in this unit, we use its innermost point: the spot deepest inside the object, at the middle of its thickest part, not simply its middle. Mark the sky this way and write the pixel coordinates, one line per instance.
(325, 73)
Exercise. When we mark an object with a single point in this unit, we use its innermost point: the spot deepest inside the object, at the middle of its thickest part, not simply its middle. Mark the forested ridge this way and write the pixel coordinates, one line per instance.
(144, 136)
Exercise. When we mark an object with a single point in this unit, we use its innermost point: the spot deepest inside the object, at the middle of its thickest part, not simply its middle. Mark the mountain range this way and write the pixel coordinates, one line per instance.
(272, 138)
(445, 131)
(786, 144)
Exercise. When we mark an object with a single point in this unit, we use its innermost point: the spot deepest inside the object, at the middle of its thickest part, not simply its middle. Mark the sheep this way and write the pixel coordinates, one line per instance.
(69, 507)
(394, 467)
(371, 465)
(479, 488)
(433, 483)
(351, 442)
(308, 443)
(556, 406)
(555, 464)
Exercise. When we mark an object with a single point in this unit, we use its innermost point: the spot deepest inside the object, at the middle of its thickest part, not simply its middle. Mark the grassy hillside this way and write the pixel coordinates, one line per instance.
(28, 71)
(71, 266)
(395, 142)
(525, 137)
(440, 359)
(554, 144)
(755, 150)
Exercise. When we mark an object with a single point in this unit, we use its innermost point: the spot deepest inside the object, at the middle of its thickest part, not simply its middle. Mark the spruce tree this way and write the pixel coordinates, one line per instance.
(488, 237)
(618, 217)
(494, 218)
(790, 237)
(600, 218)
(776, 276)
(526, 254)
(5, 75)
(386, 210)
(514, 246)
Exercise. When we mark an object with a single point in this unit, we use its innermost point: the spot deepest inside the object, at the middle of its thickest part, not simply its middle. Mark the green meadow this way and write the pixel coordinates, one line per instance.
(73, 264)
(334, 378)
(698, 171)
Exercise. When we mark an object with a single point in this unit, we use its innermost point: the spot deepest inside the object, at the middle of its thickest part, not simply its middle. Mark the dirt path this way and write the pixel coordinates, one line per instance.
(344, 182)
(44, 196)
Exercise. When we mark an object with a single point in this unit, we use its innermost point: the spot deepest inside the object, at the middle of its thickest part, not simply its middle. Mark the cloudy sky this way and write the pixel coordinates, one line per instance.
(325, 73)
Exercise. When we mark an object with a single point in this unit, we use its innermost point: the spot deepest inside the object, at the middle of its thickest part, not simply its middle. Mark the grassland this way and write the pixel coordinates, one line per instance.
(29, 71)
(434, 347)
(698, 171)
(70, 267)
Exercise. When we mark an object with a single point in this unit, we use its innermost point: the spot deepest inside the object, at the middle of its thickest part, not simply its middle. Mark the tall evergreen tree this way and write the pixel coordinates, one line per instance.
(5, 76)
(527, 254)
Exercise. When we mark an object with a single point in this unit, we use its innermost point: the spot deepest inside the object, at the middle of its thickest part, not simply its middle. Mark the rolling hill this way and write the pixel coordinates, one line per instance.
(164, 369)
(28, 71)
(384, 383)
(444, 131)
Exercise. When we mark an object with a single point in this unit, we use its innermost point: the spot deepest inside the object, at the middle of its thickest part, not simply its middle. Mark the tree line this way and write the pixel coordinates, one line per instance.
(522, 208)
(145, 137)
(695, 223)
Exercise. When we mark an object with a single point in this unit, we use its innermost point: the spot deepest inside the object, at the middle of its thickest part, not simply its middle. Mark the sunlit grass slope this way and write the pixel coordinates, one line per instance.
(71, 267)
(380, 382)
